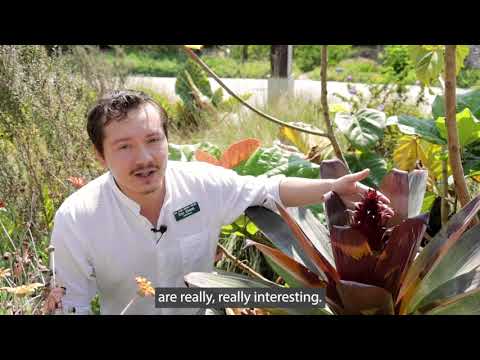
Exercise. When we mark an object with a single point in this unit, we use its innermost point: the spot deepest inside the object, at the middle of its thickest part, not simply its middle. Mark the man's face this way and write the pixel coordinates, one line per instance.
(136, 151)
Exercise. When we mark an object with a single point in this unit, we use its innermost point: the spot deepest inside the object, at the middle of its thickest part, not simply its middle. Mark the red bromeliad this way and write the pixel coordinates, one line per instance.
(369, 260)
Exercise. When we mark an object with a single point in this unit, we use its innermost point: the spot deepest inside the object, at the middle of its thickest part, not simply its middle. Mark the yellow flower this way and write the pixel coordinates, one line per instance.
(4, 273)
(144, 287)
(22, 290)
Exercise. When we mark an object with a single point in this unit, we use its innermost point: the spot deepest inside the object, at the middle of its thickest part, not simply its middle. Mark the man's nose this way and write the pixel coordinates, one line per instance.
(143, 155)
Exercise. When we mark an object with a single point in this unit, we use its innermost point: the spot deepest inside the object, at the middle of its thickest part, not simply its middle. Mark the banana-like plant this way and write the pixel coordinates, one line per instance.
(367, 261)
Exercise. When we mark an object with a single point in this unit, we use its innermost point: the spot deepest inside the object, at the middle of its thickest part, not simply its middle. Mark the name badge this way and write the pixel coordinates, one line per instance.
(186, 211)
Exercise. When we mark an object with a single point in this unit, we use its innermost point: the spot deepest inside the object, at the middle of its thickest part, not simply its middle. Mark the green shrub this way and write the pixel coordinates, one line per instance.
(397, 64)
(309, 56)
(468, 78)
(43, 140)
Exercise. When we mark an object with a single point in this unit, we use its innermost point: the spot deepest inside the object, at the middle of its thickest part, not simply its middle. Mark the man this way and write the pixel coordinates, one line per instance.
(151, 217)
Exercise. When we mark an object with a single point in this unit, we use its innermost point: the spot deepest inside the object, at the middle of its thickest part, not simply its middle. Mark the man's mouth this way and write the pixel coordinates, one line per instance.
(144, 173)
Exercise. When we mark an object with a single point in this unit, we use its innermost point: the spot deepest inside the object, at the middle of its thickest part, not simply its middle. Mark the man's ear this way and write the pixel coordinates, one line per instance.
(99, 157)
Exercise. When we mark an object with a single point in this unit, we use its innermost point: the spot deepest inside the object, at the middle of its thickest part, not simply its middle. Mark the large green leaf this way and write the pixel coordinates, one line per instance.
(219, 279)
(263, 160)
(301, 140)
(187, 152)
(462, 257)
(428, 61)
(363, 129)
(411, 149)
(468, 127)
(296, 166)
(368, 159)
(467, 100)
(446, 292)
(424, 128)
(435, 250)
(428, 201)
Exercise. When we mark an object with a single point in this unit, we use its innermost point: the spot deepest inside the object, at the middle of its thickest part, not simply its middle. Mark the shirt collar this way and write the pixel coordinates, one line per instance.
(124, 199)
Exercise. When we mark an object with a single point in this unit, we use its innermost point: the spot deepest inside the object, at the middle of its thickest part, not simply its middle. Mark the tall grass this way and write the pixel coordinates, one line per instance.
(43, 141)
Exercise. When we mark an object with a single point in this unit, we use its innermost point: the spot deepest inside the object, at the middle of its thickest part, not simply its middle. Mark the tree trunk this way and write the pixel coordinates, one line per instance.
(451, 124)
(244, 53)
(280, 61)
(326, 114)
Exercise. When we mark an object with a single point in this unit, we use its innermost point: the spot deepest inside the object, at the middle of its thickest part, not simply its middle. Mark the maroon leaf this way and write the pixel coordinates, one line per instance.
(332, 169)
(353, 256)
(395, 187)
(335, 210)
(399, 253)
(300, 274)
(363, 299)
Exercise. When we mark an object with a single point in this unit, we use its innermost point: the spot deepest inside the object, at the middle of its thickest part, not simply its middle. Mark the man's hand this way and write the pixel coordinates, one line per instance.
(295, 192)
(350, 189)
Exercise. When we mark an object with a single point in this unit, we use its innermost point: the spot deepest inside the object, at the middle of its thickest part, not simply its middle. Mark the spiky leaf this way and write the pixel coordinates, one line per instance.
(277, 231)
(219, 279)
(294, 273)
(449, 290)
(364, 299)
(462, 257)
(435, 250)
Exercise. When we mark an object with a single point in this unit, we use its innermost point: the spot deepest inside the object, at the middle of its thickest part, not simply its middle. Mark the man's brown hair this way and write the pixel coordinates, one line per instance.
(116, 105)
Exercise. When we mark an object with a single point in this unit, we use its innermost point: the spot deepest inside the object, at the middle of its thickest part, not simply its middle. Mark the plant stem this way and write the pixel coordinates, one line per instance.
(129, 304)
(451, 124)
(444, 205)
(32, 240)
(8, 236)
(241, 265)
(326, 115)
(199, 61)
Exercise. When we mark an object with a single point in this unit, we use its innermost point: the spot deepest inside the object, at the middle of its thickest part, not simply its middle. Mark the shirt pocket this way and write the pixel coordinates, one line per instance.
(198, 252)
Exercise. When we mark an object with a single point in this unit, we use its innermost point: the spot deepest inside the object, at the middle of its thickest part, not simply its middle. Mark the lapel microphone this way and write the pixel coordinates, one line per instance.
(162, 229)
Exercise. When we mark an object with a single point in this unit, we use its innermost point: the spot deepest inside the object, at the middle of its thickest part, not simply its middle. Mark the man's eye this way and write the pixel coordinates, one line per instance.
(124, 147)
(154, 140)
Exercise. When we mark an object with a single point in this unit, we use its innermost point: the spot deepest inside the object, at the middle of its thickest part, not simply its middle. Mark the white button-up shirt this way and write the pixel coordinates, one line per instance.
(102, 242)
